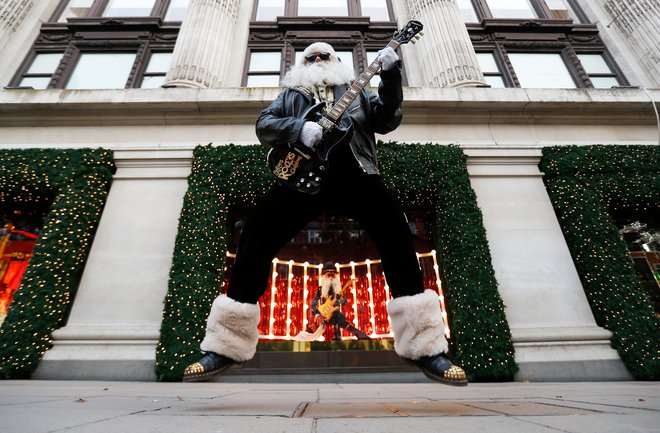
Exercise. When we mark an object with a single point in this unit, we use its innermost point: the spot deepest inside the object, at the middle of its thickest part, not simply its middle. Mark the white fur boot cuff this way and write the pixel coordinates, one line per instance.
(231, 329)
(417, 325)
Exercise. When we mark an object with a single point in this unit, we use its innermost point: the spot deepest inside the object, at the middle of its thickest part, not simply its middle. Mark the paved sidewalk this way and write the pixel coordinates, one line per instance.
(125, 407)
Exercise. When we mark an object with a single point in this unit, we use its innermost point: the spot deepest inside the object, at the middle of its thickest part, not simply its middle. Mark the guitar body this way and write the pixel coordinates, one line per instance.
(302, 168)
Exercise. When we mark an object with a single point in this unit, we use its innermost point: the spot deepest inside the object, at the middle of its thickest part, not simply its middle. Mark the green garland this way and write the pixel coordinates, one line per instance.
(76, 182)
(585, 184)
(236, 176)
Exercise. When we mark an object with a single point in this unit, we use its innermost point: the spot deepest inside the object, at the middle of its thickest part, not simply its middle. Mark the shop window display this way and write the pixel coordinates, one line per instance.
(642, 237)
(18, 236)
(297, 272)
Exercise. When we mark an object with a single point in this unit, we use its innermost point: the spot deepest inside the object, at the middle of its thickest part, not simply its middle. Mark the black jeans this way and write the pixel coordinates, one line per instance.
(284, 212)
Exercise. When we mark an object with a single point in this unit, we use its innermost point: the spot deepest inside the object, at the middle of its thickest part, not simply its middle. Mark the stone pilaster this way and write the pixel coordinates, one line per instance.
(200, 56)
(446, 54)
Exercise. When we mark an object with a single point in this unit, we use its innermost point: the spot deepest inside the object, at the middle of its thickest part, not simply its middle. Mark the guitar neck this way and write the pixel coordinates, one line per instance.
(356, 87)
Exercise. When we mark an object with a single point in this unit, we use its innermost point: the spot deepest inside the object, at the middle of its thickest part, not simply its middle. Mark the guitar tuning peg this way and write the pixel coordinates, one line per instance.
(418, 37)
(421, 34)
(413, 41)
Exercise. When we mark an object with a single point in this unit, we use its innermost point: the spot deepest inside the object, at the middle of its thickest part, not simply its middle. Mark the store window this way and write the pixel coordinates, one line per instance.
(19, 229)
(600, 73)
(103, 44)
(129, 8)
(562, 10)
(641, 233)
(101, 71)
(538, 43)
(491, 71)
(154, 75)
(539, 70)
(511, 9)
(286, 305)
(40, 71)
(264, 69)
(323, 8)
(357, 29)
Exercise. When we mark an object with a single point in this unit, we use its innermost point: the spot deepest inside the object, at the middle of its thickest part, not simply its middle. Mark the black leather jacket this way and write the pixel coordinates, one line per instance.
(281, 122)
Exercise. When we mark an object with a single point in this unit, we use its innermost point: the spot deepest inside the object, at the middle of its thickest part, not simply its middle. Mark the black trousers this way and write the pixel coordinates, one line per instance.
(284, 212)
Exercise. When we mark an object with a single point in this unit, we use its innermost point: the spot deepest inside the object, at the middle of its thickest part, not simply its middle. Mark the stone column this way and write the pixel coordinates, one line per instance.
(200, 57)
(554, 332)
(638, 22)
(446, 54)
(12, 15)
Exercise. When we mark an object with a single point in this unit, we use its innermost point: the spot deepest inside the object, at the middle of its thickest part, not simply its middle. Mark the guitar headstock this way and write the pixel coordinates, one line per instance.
(409, 33)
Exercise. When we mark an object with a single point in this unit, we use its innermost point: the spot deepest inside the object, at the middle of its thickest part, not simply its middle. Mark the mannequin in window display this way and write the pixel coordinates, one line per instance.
(352, 188)
(327, 303)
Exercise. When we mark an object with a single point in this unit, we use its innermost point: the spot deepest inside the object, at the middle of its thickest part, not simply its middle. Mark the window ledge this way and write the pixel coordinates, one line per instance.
(242, 106)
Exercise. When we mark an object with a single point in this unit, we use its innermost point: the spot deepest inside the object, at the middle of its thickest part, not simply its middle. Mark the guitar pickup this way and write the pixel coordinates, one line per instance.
(301, 153)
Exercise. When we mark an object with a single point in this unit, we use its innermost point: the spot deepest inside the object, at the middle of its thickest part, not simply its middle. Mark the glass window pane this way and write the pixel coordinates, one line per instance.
(75, 9)
(511, 9)
(604, 82)
(102, 71)
(487, 62)
(371, 56)
(346, 58)
(541, 71)
(375, 9)
(467, 11)
(561, 10)
(45, 63)
(269, 10)
(264, 62)
(495, 82)
(594, 64)
(35, 82)
(263, 81)
(177, 10)
(323, 8)
(153, 82)
(129, 8)
(159, 62)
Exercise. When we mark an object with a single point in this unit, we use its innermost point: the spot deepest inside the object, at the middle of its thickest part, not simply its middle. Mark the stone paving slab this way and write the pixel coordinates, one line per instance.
(144, 407)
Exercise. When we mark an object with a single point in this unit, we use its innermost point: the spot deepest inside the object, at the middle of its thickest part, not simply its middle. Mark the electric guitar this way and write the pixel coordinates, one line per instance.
(329, 306)
(302, 168)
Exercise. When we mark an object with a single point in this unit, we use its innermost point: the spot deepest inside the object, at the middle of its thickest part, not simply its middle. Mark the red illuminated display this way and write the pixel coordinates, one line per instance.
(285, 306)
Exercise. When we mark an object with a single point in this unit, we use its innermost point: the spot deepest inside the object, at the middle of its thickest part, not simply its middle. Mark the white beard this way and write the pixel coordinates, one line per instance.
(327, 283)
(318, 74)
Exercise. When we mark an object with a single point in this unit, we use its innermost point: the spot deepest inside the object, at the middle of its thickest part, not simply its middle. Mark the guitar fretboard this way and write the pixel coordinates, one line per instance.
(354, 90)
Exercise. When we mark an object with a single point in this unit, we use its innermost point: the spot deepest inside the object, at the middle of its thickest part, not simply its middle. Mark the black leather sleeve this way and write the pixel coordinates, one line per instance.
(386, 113)
(277, 125)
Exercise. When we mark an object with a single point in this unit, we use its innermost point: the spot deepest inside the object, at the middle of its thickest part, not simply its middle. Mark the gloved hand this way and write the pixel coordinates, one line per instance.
(311, 133)
(387, 58)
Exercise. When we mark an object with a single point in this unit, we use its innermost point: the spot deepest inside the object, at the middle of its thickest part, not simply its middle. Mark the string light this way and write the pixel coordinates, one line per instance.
(75, 183)
(586, 184)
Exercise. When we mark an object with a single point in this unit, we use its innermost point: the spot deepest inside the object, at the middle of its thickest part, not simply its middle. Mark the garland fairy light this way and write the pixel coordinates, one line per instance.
(585, 184)
(422, 176)
(76, 182)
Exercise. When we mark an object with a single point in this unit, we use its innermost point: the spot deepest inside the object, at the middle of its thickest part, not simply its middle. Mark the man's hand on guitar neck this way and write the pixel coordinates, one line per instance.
(387, 58)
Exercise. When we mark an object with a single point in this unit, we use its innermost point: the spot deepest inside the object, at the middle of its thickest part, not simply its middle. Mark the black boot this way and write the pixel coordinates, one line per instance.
(440, 369)
(359, 334)
(210, 364)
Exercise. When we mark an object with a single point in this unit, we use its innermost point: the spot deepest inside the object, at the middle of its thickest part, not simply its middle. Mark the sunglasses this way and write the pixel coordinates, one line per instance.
(312, 57)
